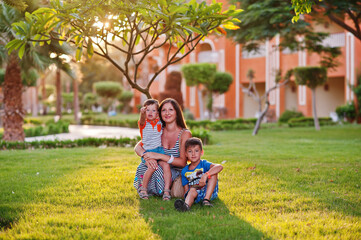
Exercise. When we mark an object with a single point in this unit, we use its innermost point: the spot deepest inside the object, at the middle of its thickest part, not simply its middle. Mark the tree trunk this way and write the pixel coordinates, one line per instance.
(76, 101)
(13, 112)
(210, 104)
(34, 101)
(200, 103)
(43, 94)
(260, 119)
(58, 92)
(314, 112)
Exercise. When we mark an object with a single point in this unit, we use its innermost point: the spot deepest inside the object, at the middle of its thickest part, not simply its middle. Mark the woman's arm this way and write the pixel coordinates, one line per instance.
(177, 161)
(181, 161)
(139, 150)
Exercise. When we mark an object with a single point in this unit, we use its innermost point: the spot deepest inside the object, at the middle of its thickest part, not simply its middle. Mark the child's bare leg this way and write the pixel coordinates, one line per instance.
(192, 194)
(167, 175)
(211, 185)
(147, 175)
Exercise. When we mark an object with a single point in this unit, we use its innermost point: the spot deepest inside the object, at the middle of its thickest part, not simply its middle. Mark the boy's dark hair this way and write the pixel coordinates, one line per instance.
(193, 141)
(151, 102)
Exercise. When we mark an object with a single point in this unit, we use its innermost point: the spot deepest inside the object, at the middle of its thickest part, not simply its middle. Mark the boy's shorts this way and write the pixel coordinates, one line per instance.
(156, 150)
(202, 194)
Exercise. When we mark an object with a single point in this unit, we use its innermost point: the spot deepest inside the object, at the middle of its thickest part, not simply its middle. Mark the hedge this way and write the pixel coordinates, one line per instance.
(85, 142)
(308, 122)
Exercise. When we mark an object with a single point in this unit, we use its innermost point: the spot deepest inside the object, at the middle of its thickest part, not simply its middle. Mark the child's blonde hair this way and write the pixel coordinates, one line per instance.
(151, 102)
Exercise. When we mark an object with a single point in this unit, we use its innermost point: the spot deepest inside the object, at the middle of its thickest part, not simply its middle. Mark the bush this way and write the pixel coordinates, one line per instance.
(203, 134)
(218, 125)
(34, 121)
(121, 142)
(347, 111)
(288, 114)
(309, 122)
(108, 89)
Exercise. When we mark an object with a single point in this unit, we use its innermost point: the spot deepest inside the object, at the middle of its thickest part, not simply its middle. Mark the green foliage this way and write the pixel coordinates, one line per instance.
(84, 142)
(332, 9)
(67, 97)
(222, 81)
(202, 134)
(312, 76)
(2, 76)
(357, 90)
(218, 125)
(89, 99)
(199, 73)
(264, 20)
(49, 89)
(301, 7)
(108, 89)
(125, 28)
(35, 121)
(50, 128)
(309, 121)
(288, 114)
(29, 77)
(346, 111)
(126, 96)
(97, 69)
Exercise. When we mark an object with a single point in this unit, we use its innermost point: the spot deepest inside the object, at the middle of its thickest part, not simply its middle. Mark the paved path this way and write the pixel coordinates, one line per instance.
(84, 131)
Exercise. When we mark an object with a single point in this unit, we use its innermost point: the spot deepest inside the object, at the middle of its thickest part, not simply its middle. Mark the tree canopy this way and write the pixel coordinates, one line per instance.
(337, 11)
(263, 20)
(133, 29)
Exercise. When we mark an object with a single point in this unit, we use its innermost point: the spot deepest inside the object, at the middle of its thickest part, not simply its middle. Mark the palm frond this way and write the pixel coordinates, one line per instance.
(20, 5)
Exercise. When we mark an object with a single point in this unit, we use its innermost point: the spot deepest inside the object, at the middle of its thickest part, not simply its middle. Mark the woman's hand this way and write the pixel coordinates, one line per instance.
(150, 155)
(151, 163)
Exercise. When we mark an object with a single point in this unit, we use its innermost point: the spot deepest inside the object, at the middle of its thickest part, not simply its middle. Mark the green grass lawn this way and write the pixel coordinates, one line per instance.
(281, 184)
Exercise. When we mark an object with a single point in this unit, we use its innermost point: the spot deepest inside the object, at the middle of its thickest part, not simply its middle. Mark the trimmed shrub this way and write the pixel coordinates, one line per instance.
(288, 114)
(309, 122)
(203, 134)
(347, 111)
(111, 142)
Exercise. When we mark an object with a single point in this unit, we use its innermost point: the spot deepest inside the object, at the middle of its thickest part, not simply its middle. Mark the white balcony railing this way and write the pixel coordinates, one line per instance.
(334, 40)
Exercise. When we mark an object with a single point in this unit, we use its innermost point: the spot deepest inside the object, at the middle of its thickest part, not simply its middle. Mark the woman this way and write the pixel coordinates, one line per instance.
(175, 134)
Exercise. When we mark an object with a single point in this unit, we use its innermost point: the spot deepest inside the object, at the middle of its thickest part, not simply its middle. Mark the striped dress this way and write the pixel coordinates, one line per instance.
(156, 183)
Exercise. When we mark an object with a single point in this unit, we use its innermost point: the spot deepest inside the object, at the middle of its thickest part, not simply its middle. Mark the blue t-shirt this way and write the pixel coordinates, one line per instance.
(192, 177)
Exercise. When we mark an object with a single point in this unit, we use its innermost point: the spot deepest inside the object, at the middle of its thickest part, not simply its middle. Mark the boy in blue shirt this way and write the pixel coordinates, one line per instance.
(199, 178)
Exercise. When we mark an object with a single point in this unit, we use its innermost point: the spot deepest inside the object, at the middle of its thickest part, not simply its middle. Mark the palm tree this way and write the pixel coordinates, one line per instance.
(12, 86)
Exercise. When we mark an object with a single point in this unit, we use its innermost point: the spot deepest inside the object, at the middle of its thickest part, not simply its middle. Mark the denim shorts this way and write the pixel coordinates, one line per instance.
(156, 150)
(202, 194)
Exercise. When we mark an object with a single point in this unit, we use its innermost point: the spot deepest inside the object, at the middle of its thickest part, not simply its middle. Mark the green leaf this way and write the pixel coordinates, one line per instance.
(194, 29)
(90, 49)
(137, 40)
(78, 53)
(22, 51)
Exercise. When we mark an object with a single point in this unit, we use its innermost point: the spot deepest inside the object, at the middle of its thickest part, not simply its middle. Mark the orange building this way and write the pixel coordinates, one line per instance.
(229, 57)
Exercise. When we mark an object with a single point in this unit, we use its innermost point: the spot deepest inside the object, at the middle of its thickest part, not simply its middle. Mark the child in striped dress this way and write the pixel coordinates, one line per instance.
(150, 128)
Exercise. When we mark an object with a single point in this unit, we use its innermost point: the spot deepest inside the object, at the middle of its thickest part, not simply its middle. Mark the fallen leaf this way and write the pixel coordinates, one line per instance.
(331, 180)
(161, 208)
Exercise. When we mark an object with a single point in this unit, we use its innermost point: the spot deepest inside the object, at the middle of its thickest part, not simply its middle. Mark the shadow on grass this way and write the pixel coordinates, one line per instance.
(199, 223)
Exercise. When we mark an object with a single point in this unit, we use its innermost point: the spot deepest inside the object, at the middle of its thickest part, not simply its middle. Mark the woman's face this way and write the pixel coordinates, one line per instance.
(168, 113)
